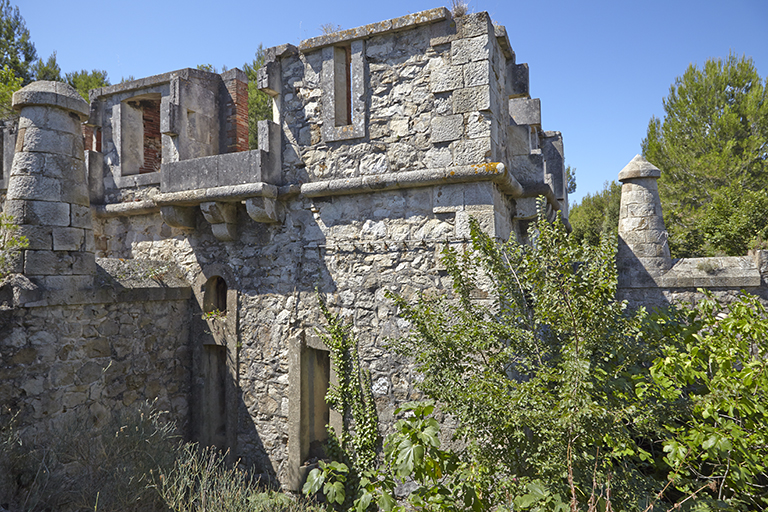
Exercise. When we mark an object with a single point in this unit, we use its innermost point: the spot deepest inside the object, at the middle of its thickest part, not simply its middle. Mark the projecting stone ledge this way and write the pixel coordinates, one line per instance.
(51, 94)
(719, 272)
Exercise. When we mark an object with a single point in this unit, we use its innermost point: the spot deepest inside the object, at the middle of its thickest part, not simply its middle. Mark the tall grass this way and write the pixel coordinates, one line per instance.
(135, 461)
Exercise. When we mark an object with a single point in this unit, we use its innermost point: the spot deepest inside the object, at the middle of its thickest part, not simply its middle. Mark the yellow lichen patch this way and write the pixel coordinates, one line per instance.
(487, 168)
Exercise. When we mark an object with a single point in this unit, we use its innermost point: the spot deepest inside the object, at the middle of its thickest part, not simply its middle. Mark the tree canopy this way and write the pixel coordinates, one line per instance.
(48, 70)
(85, 80)
(16, 48)
(259, 103)
(597, 214)
(712, 148)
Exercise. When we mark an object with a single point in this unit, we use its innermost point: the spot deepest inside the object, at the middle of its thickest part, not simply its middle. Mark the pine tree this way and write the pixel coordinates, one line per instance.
(712, 143)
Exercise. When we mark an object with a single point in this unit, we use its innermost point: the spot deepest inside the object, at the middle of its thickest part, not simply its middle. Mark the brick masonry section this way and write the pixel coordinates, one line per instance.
(153, 147)
(237, 116)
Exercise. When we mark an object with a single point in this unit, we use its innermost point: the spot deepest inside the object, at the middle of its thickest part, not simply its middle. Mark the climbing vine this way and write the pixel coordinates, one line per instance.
(354, 448)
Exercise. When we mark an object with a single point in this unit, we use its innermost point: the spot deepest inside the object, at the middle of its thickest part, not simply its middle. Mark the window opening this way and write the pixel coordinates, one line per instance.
(215, 296)
(153, 146)
(316, 369)
(342, 60)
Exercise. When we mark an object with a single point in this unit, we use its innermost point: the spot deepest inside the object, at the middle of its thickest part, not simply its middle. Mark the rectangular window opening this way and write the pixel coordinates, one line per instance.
(316, 374)
(342, 61)
(153, 146)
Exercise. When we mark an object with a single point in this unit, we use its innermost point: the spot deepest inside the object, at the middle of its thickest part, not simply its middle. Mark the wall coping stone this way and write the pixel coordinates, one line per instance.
(151, 81)
(117, 280)
(382, 27)
(716, 272)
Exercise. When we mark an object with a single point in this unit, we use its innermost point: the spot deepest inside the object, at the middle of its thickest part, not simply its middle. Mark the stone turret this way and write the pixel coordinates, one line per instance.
(48, 187)
(643, 250)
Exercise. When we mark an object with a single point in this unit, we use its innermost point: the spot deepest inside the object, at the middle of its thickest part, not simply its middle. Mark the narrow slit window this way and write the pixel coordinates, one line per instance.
(342, 60)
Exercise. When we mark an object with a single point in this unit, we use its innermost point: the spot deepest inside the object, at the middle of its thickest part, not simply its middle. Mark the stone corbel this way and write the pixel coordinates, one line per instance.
(178, 216)
(223, 219)
(263, 209)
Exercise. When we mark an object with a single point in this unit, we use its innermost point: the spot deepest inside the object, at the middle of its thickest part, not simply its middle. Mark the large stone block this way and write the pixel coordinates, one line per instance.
(24, 164)
(471, 49)
(445, 78)
(526, 111)
(447, 198)
(35, 187)
(68, 239)
(517, 82)
(44, 213)
(475, 24)
(39, 237)
(472, 151)
(554, 155)
(471, 99)
(94, 168)
(447, 128)
(75, 192)
(479, 124)
(477, 73)
(527, 169)
(51, 118)
(519, 139)
(478, 194)
(40, 140)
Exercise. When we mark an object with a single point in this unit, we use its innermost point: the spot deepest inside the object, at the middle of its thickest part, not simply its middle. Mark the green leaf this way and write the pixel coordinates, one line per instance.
(314, 482)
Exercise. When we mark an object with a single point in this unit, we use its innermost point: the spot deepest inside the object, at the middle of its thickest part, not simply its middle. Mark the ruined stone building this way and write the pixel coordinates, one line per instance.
(168, 261)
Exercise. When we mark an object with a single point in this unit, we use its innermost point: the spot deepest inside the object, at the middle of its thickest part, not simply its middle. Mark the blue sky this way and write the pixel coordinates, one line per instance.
(600, 68)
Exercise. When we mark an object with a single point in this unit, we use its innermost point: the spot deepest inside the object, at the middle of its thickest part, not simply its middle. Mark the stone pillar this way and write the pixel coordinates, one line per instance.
(643, 250)
(48, 187)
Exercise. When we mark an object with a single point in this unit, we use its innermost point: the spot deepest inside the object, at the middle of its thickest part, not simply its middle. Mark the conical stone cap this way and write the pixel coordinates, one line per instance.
(51, 94)
(639, 167)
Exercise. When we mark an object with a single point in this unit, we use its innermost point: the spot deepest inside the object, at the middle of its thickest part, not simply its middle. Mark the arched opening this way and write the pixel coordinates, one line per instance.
(214, 367)
(215, 296)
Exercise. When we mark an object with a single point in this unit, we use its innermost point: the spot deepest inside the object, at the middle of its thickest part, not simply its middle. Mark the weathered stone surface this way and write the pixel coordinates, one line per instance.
(51, 94)
(68, 239)
(477, 73)
(262, 209)
(525, 111)
(470, 50)
(446, 129)
(471, 99)
(444, 77)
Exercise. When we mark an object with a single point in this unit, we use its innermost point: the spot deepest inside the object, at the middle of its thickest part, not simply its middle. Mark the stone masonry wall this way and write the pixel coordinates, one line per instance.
(57, 360)
(432, 96)
(426, 113)
(352, 248)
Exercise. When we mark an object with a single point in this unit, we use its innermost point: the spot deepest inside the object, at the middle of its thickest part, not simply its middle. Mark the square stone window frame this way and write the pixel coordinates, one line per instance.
(358, 85)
